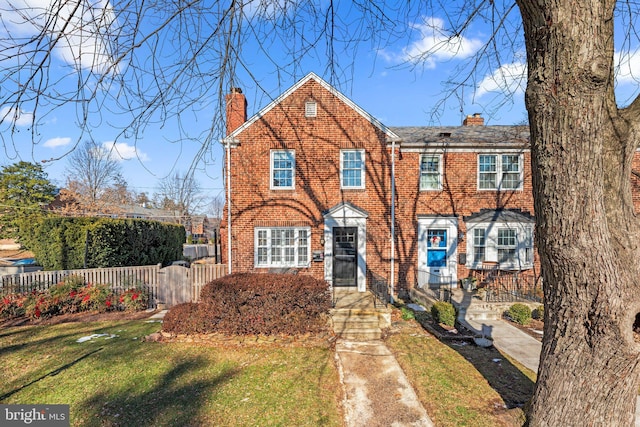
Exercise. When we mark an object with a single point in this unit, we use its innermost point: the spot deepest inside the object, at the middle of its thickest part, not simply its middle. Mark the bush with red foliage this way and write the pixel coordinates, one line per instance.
(256, 304)
(185, 319)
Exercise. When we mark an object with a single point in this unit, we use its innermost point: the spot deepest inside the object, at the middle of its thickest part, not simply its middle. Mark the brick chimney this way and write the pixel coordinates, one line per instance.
(473, 120)
(236, 109)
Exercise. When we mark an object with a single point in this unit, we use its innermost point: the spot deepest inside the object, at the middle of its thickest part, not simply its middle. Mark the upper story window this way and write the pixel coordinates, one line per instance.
(430, 172)
(283, 166)
(499, 172)
(310, 109)
(352, 169)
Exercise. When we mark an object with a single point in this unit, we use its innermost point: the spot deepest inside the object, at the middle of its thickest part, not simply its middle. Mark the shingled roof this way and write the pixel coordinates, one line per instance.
(463, 136)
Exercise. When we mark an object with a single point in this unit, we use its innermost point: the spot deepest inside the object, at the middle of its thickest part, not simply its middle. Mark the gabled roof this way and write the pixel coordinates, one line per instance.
(345, 209)
(312, 76)
(461, 137)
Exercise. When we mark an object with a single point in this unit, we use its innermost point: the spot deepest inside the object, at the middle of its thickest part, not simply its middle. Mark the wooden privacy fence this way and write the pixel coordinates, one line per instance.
(169, 285)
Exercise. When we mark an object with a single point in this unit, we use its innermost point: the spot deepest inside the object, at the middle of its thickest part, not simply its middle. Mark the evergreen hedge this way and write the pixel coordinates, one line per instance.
(61, 243)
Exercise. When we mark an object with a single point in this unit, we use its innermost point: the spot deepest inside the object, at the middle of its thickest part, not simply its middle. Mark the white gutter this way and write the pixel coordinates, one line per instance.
(393, 216)
(228, 143)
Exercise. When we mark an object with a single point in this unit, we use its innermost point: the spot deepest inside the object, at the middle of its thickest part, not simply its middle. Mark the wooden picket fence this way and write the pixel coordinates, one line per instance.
(169, 285)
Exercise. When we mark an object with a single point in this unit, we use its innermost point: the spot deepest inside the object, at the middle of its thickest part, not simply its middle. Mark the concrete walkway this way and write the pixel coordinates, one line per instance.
(377, 392)
(517, 344)
(510, 340)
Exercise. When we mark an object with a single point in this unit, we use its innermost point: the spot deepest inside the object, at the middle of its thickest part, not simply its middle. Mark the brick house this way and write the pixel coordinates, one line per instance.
(310, 188)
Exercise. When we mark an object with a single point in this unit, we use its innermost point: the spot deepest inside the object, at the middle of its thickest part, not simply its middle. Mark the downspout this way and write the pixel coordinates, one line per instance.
(393, 217)
(228, 147)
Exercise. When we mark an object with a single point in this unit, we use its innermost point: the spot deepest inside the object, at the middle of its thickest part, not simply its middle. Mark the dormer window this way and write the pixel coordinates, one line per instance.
(310, 109)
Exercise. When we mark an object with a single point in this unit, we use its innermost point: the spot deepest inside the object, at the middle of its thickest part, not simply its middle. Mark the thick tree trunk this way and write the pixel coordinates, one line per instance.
(587, 232)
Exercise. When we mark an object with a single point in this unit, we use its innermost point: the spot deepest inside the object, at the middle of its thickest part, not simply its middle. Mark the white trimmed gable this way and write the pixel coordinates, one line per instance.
(391, 136)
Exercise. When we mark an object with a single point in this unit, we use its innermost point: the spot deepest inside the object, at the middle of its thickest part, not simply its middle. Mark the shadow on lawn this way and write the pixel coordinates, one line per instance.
(51, 373)
(513, 386)
(175, 400)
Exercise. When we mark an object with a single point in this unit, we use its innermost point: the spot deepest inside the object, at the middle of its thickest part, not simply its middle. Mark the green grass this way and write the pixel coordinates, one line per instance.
(123, 381)
(462, 385)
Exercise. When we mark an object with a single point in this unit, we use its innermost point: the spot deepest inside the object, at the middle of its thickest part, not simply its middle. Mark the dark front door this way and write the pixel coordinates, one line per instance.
(345, 256)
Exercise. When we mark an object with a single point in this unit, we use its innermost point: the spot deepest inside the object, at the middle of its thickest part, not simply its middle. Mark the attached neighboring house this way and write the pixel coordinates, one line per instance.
(310, 188)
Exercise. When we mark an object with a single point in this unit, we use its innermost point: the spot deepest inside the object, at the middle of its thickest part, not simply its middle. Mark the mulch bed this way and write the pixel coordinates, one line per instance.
(529, 329)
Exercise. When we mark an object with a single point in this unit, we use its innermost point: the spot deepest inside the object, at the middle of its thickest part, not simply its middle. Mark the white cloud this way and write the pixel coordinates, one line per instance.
(627, 67)
(81, 33)
(123, 151)
(436, 44)
(509, 79)
(512, 78)
(57, 142)
(17, 117)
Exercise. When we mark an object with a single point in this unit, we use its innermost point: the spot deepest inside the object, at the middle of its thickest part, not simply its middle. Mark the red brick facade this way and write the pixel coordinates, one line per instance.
(317, 142)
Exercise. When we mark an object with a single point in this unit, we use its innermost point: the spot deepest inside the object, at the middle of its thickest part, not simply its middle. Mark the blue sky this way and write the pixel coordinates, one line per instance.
(388, 78)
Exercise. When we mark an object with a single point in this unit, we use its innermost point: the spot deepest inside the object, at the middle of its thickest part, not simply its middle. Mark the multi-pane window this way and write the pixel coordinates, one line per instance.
(499, 171)
(282, 169)
(479, 244)
(430, 172)
(487, 171)
(282, 247)
(507, 246)
(352, 169)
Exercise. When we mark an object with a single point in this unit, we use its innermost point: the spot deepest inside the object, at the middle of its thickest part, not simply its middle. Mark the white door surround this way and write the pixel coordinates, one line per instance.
(343, 215)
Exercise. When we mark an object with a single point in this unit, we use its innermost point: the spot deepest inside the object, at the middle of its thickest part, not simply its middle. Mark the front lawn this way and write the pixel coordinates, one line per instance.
(461, 384)
(118, 380)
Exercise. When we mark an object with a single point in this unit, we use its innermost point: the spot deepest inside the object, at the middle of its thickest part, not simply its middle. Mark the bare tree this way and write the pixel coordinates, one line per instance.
(180, 193)
(582, 141)
(94, 179)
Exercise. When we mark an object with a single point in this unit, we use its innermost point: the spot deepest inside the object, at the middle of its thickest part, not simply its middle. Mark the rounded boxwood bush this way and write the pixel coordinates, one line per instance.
(520, 313)
(444, 312)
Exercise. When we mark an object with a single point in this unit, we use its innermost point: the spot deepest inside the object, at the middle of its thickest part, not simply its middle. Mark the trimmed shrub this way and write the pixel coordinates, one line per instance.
(444, 312)
(407, 314)
(520, 313)
(538, 313)
(63, 243)
(261, 304)
(186, 318)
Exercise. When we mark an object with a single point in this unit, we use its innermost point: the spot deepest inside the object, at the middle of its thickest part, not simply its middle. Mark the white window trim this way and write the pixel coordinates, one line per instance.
(362, 171)
(524, 245)
(270, 264)
(440, 169)
(271, 171)
(499, 173)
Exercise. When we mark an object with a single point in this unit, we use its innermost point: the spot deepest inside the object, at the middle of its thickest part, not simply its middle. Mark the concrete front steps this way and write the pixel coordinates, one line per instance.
(356, 318)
